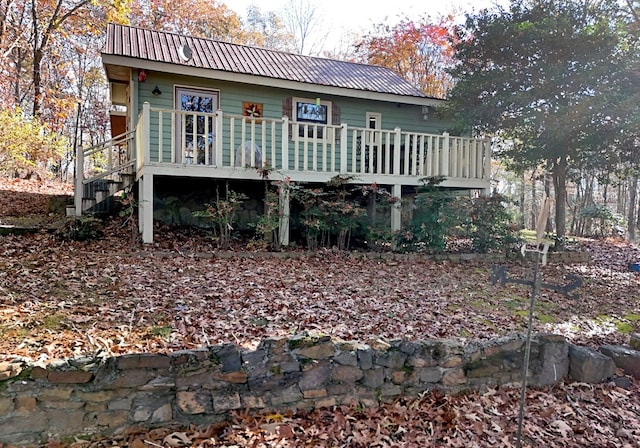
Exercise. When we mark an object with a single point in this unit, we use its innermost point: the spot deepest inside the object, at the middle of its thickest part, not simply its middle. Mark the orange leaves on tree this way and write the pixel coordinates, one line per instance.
(201, 18)
(418, 51)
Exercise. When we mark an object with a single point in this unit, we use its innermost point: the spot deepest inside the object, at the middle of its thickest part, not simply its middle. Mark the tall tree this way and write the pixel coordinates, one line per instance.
(305, 22)
(202, 18)
(538, 76)
(266, 29)
(418, 51)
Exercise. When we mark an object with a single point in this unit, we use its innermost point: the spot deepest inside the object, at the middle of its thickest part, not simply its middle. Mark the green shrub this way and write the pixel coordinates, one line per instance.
(81, 228)
(222, 214)
(432, 221)
(490, 225)
(603, 217)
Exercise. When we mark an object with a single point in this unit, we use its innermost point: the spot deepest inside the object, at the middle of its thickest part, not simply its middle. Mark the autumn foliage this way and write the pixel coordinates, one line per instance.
(27, 146)
(418, 51)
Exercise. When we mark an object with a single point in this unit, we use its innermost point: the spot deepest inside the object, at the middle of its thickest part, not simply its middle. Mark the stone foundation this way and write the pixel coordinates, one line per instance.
(106, 395)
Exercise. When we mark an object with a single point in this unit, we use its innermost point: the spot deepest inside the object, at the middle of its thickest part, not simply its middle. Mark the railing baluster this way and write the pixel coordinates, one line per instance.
(173, 137)
(397, 143)
(252, 144)
(379, 152)
(407, 153)
(387, 152)
(354, 150)
(473, 158)
(324, 152)
(243, 132)
(444, 159)
(296, 147)
(232, 141)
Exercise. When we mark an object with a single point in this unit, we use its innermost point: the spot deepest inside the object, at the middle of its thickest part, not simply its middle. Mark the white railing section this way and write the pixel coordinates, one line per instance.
(226, 140)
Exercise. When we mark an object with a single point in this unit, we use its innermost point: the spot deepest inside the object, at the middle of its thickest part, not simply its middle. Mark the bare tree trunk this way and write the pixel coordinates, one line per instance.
(575, 223)
(523, 223)
(631, 216)
(534, 207)
(547, 193)
(560, 185)
(621, 200)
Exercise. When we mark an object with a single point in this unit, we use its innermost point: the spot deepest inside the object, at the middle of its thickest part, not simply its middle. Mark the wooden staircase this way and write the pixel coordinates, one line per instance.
(103, 171)
(98, 194)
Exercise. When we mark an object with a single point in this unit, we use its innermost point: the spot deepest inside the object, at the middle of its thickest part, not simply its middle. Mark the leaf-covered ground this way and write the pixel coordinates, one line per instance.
(62, 299)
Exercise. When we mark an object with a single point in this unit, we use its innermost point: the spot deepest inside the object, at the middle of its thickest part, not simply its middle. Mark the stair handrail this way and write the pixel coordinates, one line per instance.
(81, 180)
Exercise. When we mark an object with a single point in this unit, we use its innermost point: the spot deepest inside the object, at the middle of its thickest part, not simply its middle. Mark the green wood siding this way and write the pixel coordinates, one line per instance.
(353, 112)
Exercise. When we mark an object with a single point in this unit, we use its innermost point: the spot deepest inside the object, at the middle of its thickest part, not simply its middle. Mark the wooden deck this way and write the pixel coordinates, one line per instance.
(219, 145)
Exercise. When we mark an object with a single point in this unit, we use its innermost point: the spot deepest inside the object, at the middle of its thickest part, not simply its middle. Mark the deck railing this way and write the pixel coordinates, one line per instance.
(225, 140)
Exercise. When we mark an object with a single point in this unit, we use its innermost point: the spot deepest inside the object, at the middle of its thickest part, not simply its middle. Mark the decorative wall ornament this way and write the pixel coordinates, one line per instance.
(252, 110)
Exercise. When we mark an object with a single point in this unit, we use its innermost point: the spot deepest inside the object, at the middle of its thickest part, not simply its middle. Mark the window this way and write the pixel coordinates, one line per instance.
(196, 131)
(311, 114)
(374, 122)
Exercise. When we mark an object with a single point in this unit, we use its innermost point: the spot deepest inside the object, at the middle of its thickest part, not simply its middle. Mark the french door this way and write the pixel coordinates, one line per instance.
(195, 136)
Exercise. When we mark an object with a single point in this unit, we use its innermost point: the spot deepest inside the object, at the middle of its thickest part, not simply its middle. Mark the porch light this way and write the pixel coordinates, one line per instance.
(156, 91)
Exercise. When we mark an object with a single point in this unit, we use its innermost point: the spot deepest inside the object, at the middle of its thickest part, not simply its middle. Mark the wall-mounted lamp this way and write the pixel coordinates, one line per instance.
(142, 76)
(425, 112)
(156, 91)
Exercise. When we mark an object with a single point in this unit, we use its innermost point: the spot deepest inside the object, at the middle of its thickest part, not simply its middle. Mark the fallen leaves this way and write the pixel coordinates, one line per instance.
(68, 299)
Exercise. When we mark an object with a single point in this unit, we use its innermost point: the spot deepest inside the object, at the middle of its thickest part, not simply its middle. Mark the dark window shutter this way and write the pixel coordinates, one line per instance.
(287, 105)
(335, 114)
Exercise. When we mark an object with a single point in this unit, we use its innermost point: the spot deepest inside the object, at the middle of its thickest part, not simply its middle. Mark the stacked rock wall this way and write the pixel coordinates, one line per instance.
(97, 395)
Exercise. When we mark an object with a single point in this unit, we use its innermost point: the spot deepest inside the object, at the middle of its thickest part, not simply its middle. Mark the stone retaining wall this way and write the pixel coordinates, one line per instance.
(98, 395)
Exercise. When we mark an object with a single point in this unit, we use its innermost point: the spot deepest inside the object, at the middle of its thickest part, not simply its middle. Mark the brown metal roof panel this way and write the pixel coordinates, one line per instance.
(257, 62)
(210, 54)
(222, 60)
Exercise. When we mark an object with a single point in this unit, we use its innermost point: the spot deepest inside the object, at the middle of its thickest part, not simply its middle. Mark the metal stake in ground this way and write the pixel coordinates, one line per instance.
(527, 352)
(540, 226)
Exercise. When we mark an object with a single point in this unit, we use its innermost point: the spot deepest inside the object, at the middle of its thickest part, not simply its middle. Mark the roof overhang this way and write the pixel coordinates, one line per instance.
(118, 69)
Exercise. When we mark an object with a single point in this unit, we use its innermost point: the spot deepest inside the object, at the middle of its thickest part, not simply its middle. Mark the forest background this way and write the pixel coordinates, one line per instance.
(54, 95)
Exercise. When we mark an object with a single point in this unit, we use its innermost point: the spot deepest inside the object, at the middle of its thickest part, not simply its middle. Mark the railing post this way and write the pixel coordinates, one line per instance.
(285, 143)
(344, 145)
(444, 160)
(218, 137)
(79, 181)
(397, 152)
(146, 133)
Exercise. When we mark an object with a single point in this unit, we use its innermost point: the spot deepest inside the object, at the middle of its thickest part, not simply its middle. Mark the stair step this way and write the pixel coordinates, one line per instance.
(102, 195)
(88, 203)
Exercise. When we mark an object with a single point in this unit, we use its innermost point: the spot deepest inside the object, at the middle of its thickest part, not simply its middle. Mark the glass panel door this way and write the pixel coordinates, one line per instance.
(196, 126)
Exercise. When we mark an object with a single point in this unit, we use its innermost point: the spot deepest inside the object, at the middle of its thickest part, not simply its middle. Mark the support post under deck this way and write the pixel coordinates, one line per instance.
(145, 209)
(396, 211)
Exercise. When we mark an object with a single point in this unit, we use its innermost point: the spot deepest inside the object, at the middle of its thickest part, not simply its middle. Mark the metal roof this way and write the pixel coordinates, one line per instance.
(158, 46)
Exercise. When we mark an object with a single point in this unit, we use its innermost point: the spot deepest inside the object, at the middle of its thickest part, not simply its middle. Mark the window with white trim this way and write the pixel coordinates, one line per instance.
(373, 122)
